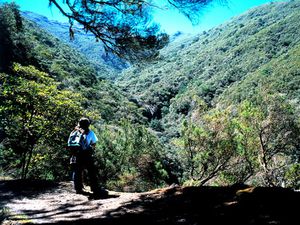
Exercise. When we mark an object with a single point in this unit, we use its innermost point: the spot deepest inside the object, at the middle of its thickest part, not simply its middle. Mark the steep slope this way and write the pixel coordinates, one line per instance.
(45, 87)
(209, 63)
(75, 72)
(280, 75)
(200, 73)
(107, 64)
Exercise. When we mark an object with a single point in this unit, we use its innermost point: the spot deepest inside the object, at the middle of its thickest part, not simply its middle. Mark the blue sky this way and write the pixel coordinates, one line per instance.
(170, 20)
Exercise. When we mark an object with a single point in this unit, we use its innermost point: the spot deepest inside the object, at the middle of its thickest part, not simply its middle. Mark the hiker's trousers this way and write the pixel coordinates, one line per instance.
(84, 160)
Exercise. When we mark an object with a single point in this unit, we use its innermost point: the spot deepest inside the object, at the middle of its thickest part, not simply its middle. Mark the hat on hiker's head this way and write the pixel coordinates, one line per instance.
(84, 123)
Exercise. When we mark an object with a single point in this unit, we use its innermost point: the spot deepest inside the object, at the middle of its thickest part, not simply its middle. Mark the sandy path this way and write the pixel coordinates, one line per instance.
(41, 202)
(62, 204)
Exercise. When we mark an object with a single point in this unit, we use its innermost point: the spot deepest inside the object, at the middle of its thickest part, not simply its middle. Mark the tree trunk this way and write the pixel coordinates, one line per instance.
(28, 162)
(23, 164)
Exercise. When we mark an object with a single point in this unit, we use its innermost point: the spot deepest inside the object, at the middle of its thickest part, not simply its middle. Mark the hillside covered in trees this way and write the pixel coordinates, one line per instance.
(45, 87)
(228, 99)
(216, 109)
(107, 64)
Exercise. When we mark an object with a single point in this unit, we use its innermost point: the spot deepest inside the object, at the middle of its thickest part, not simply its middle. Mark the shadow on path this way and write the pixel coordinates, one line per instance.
(14, 189)
(235, 205)
(206, 205)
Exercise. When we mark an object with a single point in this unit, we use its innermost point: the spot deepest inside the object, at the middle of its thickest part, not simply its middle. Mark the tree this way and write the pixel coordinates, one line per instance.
(13, 46)
(34, 115)
(279, 139)
(268, 136)
(192, 8)
(208, 146)
(255, 142)
(129, 156)
(124, 26)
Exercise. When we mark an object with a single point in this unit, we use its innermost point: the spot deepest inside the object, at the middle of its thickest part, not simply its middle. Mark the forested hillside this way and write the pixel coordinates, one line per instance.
(209, 63)
(218, 94)
(46, 86)
(219, 108)
(107, 65)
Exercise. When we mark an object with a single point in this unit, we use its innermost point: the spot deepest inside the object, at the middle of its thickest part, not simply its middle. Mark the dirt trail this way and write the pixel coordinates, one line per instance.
(51, 203)
(42, 202)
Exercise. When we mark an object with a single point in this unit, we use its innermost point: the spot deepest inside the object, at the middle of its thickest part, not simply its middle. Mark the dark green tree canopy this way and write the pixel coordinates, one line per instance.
(125, 26)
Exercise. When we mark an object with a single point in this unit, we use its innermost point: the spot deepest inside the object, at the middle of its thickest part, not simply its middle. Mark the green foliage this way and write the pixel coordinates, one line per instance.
(246, 71)
(210, 63)
(292, 176)
(34, 112)
(156, 125)
(280, 75)
(111, 103)
(108, 66)
(9, 162)
(250, 142)
(41, 104)
(222, 108)
(12, 43)
(129, 157)
(207, 148)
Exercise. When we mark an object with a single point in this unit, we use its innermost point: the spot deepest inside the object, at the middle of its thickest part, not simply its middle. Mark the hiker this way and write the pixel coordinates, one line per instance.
(82, 142)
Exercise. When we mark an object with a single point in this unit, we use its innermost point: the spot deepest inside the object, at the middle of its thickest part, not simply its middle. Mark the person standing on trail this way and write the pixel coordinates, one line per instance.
(82, 143)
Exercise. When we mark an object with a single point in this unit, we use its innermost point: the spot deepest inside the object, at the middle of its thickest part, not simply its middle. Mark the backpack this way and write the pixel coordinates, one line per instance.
(77, 142)
(75, 139)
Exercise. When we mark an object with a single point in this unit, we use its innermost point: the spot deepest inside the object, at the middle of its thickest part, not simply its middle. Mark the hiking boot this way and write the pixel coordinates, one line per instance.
(102, 194)
(82, 192)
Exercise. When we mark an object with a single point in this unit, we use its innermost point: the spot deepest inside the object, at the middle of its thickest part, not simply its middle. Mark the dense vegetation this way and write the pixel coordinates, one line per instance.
(209, 77)
(45, 88)
(106, 64)
(215, 109)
